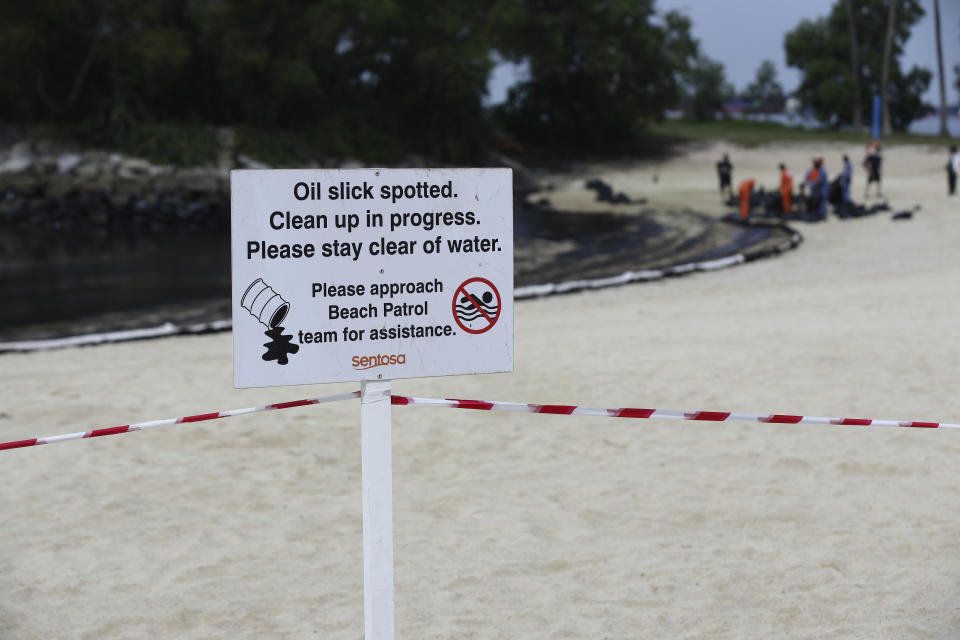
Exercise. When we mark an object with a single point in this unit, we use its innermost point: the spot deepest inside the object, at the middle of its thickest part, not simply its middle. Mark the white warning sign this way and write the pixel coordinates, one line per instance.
(346, 275)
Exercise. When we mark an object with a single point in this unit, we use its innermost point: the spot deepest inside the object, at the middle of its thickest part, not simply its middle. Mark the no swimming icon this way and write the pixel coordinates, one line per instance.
(476, 305)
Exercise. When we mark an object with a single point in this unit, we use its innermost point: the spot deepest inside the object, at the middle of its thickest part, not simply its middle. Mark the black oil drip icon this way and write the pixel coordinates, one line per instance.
(268, 307)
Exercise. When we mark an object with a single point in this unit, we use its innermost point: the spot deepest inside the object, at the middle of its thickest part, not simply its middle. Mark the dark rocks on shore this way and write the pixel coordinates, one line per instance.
(45, 185)
(42, 185)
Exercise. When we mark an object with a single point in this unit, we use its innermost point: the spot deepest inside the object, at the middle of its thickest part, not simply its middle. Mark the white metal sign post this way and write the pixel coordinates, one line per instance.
(369, 275)
(377, 480)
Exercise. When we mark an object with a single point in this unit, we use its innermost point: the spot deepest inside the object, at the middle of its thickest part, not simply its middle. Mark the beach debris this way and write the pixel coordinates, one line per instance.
(906, 214)
(854, 210)
(605, 193)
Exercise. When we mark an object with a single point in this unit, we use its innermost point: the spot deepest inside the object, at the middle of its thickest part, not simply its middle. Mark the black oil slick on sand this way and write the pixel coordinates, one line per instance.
(60, 282)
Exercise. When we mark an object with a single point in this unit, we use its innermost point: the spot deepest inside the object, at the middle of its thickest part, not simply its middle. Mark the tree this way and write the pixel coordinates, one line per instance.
(377, 79)
(706, 89)
(765, 92)
(598, 71)
(428, 62)
(817, 47)
(885, 80)
(360, 77)
(855, 71)
(906, 97)
(62, 61)
(943, 92)
(956, 74)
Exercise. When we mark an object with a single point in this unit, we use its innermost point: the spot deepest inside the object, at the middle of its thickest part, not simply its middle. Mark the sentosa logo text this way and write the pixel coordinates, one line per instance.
(379, 360)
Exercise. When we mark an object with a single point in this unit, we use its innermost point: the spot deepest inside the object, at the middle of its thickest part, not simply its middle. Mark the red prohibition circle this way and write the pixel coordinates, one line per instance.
(462, 289)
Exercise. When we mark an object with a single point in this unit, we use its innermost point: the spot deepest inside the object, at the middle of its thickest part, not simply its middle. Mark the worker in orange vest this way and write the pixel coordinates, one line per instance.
(786, 189)
(746, 190)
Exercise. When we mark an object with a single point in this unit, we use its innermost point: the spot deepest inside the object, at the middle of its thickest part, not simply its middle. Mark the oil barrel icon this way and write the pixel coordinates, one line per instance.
(265, 304)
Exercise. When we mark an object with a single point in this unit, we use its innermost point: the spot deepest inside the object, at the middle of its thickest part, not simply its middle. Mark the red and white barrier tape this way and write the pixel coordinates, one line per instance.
(141, 426)
(659, 414)
(452, 403)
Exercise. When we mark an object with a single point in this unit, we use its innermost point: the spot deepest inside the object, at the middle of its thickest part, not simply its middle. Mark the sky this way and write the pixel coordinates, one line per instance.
(717, 24)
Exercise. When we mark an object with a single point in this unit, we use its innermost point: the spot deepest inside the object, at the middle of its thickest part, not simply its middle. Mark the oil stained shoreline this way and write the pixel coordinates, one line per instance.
(78, 281)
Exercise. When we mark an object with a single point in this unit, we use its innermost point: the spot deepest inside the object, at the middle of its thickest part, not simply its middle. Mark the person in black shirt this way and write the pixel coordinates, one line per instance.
(953, 166)
(725, 172)
(872, 163)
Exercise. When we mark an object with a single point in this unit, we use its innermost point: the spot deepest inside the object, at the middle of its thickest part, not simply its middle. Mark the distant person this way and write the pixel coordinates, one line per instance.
(725, 173)
(746, 193)
(846, 177)
(872, 162)
(816, 180)
(786, 189)
(953, 168)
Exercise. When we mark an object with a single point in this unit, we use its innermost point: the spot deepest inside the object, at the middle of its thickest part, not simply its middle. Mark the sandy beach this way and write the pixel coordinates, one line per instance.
(537, 526)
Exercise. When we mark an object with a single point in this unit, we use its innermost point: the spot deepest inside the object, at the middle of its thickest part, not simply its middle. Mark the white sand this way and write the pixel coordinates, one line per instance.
(524, 526)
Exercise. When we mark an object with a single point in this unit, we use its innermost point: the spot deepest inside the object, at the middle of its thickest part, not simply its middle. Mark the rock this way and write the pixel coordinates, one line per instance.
(87, 170)
(168, 181)
(22, 183)
(21, 149)
(246, 162)
(67, 162)
(128, 187)
(133, 168)
(16, 164)
(100, 182)
(120, 200)
(198, 180)
(413, 160)
(58, 189)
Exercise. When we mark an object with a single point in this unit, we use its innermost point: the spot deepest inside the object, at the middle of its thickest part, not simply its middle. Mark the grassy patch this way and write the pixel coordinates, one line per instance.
(319, 146)
(160, 143)
(751, 134)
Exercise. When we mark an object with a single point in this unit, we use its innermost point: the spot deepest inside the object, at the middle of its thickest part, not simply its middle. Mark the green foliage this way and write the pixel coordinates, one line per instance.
(820, 49)
(163, 143)
(765, 92)
(379, 74)
(370, 79)
(956, 74)
(598, 70)
(706, 89)
(751, 133)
